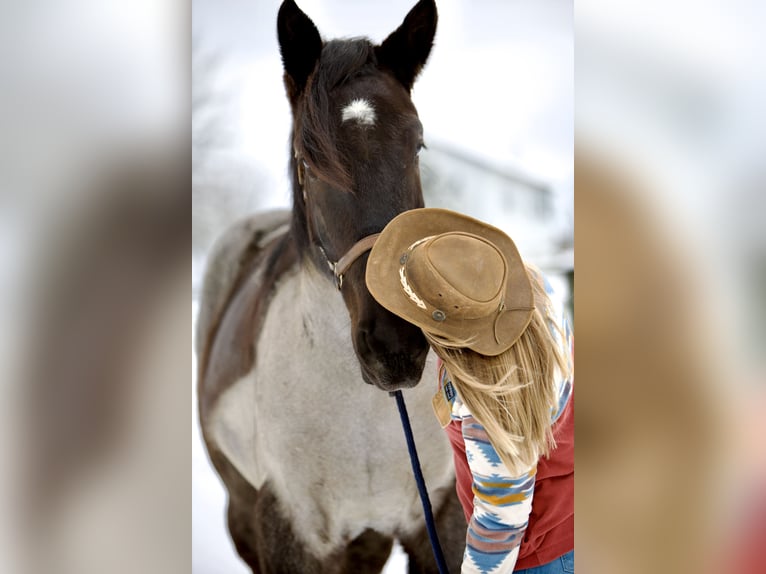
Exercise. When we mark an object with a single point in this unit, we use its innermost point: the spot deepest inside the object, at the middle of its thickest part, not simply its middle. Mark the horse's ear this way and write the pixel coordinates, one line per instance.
(299, 44)
(406, 50)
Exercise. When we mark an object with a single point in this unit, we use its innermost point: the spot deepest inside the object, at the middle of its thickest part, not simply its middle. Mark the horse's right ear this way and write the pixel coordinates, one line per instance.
(299, 44)
(406, 50)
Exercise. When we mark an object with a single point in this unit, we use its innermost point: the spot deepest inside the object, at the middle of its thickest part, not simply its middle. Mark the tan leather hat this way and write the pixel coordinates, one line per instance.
(453, 276)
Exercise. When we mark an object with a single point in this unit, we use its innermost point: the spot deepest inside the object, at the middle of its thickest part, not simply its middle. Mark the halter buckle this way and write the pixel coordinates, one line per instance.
(342, 265)
(338, 277)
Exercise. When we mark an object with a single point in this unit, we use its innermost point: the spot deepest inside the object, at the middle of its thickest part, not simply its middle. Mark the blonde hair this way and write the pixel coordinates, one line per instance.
(514, 394)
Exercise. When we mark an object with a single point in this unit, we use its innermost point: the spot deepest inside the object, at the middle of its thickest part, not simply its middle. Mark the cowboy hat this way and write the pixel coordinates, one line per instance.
(452, 276)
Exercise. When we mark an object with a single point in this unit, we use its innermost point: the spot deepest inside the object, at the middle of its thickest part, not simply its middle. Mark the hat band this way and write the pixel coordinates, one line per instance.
(409, 291)
(406, 287)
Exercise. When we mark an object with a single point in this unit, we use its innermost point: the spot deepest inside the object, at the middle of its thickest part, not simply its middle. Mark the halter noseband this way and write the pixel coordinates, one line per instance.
(359, 248)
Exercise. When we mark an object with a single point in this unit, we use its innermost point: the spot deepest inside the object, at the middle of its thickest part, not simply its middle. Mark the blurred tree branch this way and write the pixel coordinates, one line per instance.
(207, 132)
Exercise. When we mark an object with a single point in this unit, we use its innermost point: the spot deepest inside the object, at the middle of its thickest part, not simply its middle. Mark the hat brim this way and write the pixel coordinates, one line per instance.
(490, 335)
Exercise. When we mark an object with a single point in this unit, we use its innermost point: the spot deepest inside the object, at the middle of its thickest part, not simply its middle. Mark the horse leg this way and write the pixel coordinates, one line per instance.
(263, 536)
(280, 551)
(265, 539)
(367, 553)
(239, 519)
(451, 527)
(239, 513)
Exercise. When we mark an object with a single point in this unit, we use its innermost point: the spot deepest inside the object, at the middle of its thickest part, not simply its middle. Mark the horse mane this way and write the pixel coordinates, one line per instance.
(314, 134)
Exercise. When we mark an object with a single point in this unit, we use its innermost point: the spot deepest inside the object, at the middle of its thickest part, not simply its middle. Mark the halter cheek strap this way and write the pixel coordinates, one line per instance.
(357, 250)
(343, 264)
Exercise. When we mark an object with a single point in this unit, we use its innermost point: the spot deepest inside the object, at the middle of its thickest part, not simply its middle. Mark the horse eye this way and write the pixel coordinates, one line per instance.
(421, 146)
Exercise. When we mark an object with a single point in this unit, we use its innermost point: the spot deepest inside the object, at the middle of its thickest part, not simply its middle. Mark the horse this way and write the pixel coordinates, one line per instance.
(296, 359)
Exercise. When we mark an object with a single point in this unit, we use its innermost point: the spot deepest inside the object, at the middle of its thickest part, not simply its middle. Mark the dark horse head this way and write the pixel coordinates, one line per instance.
(356, 138)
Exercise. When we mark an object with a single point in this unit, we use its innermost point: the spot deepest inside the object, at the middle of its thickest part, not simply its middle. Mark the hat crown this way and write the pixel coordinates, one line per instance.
(459, 273)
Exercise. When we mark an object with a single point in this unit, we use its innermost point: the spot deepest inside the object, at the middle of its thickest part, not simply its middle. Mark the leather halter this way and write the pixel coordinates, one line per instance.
(343, 264)
(358, 249)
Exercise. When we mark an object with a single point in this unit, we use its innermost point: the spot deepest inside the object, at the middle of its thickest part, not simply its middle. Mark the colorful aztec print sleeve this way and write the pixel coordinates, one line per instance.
(502, 503)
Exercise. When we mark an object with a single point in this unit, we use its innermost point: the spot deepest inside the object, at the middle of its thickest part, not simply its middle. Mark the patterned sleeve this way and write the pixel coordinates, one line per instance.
(502, 504)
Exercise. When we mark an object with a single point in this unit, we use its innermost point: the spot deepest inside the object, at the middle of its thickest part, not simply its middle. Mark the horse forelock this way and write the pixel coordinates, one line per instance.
(316, 117)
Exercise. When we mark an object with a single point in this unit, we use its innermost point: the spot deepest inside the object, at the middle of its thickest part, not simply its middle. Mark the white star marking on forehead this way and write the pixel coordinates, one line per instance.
(361, 111)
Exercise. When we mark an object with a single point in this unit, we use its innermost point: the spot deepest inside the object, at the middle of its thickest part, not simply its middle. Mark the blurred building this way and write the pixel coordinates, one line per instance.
(526, 208)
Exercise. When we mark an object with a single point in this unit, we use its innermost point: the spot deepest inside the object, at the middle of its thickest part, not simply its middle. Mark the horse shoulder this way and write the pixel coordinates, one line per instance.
(230, 257)
(232, 266)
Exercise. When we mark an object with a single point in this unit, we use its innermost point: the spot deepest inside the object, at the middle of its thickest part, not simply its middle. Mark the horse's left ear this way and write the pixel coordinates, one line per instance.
(406, 50)
(299, 44)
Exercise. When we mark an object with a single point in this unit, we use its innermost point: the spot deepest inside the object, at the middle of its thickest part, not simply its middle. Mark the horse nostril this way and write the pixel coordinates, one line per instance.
(375, 338)
(364, 337)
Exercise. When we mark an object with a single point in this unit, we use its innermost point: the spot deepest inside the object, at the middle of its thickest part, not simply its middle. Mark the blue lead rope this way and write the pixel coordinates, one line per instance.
(430, 525)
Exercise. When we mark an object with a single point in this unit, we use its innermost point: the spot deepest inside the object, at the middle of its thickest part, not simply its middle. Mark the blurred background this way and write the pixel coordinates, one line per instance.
(95, 230)
(670, 196)
(94, 286)
(496, 103)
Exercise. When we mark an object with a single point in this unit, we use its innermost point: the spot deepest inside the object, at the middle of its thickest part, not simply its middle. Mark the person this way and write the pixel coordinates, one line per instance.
(505, 381)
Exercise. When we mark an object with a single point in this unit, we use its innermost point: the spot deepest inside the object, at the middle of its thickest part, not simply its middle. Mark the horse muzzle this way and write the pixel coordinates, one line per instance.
(388, 380)
(391, 352)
